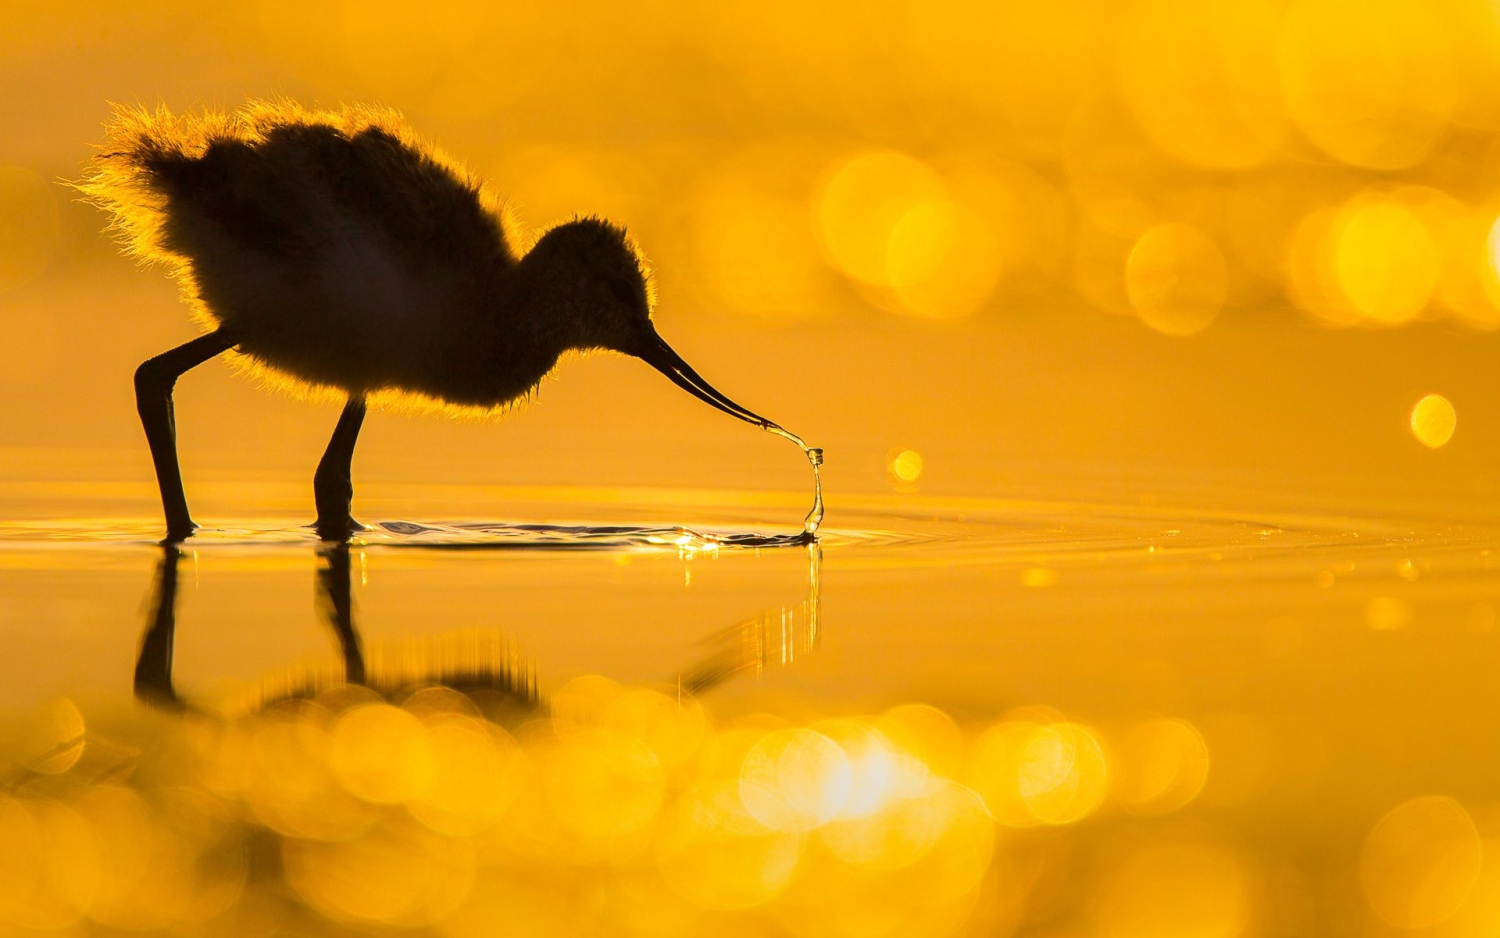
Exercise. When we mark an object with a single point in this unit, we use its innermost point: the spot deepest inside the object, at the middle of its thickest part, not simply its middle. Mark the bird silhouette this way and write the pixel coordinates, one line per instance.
(336, 250)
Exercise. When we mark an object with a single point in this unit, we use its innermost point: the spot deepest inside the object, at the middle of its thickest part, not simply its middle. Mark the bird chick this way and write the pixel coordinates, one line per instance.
(335, 250)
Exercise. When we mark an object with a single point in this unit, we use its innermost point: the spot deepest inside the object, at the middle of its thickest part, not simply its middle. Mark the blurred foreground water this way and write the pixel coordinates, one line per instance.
(950, 716)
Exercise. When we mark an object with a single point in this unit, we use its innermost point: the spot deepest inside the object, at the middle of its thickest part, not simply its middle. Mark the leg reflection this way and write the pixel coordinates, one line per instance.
(338, 610)
(478, 664)
(153, 666)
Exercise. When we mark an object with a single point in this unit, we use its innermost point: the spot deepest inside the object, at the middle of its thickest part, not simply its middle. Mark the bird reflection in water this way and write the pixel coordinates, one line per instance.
(502, 686)
(499, 684)
(424, 815)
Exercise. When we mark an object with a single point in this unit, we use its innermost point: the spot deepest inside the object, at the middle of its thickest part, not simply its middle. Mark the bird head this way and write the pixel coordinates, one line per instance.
(594, 284)
(606, 282)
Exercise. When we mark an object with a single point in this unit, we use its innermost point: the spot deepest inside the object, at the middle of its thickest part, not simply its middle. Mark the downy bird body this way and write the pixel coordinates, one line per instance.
(344, 253)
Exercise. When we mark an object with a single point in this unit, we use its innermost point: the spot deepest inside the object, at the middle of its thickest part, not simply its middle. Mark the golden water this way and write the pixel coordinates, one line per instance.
(944, 716)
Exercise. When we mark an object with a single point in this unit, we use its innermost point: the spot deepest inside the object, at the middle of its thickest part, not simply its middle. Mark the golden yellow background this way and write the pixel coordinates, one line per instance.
(1104, 248)
(1152, 346)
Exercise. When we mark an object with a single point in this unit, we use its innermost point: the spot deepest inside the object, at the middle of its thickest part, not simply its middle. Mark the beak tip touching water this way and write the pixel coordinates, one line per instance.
(659, 355)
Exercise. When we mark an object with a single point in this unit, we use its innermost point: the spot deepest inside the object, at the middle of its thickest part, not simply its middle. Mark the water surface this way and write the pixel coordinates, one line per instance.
(624, 724)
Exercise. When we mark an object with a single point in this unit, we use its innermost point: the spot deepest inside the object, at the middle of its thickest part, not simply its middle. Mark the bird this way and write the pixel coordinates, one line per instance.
(336, 250)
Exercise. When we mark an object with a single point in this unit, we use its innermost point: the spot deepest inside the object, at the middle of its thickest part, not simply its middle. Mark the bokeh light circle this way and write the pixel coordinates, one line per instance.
(381, 754)
(1433, 420)
(1176, 278)
(904, 465)
(1200, 78)
(1420, 862)
(1031, 773)
(1385, 260)
(795, 780)
(1371, 84)
(1163, 765)
(757, 252)
(942, 260)
(863, 201)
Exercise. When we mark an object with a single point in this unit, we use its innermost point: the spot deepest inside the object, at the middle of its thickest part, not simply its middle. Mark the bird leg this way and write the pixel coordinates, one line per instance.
(333, 490)
(154, 381)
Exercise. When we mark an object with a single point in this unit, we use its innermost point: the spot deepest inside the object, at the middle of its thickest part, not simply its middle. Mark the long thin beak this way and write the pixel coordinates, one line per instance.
(661, 357)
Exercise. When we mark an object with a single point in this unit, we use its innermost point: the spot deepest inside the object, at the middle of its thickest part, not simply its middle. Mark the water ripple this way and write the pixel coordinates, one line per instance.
(1076, 539)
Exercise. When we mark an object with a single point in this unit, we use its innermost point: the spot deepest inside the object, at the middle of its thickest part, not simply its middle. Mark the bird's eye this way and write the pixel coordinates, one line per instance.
(623, 294)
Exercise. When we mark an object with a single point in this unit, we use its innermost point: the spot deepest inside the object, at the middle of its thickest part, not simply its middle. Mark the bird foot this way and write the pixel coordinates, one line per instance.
(176, 533)
(339, 529)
